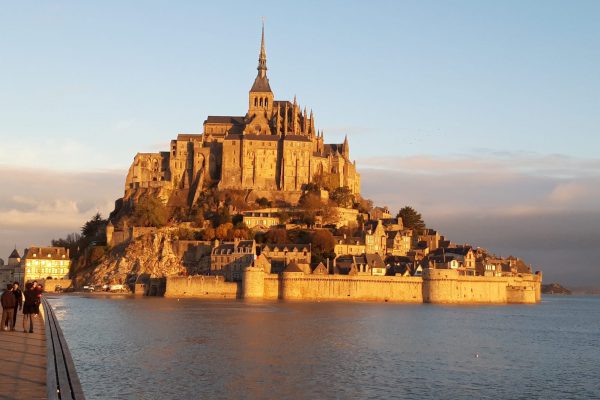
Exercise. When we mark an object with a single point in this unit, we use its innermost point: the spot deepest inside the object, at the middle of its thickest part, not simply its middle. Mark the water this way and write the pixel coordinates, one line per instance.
(154, 348)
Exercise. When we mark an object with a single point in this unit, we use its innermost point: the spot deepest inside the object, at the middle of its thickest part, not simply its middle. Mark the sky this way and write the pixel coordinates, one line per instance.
(482, 115)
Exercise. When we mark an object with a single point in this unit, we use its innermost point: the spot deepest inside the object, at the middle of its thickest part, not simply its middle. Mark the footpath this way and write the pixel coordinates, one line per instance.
(23, 362)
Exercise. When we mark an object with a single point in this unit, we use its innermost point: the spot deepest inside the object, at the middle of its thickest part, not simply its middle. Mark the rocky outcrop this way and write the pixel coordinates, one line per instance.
(555, 288)
(151, 255)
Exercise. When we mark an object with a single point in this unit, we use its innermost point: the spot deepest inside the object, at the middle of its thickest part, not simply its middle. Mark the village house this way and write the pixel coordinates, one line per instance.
(376, 240)
(280, 255)
(46, 263)
(260, 219)
(13, 271)
(363, 264)
(229, 259)
(378, 213)
(345, 244)
(399, 242)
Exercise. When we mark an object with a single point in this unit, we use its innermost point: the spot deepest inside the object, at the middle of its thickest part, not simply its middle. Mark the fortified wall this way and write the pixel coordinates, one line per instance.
(435, 286)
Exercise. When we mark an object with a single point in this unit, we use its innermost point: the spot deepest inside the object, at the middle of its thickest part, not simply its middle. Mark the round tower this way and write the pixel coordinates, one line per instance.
(253, 283)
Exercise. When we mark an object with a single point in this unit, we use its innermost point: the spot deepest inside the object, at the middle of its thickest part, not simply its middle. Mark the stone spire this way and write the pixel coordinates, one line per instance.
(346, 147)
(261, 83)
(262, 57)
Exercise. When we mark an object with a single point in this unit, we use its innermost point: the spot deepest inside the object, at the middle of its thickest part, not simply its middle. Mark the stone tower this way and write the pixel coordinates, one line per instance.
(260, 98)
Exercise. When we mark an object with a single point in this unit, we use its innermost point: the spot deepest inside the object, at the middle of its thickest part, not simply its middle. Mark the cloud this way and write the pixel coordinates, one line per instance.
(543, 208)
(38, 205)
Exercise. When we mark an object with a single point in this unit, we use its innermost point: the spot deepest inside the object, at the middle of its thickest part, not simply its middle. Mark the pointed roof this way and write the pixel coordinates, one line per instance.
(293, 267)
(261, 83)
(14, 254)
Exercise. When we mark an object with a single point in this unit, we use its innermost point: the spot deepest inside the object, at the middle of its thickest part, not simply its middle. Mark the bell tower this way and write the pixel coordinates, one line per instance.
(260, 99)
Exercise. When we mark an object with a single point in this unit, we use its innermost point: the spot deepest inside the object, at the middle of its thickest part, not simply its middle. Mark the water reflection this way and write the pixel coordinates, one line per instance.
(152, 348)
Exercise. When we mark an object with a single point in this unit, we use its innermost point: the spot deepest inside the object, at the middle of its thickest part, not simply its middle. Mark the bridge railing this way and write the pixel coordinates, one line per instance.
(62, 380)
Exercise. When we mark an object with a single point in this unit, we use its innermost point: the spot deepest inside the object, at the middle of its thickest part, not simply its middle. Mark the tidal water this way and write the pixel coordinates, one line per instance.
(155, 348)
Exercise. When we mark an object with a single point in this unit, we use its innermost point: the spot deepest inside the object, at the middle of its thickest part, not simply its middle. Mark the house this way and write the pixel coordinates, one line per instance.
(13, 271)
(349, 245)
(260, 219)
(280, 255)
(229, 259)
(378, 213)
(399, 242)
(376, 240)
(375, 265)
(46, 263)
(364, 264)
(320, 269)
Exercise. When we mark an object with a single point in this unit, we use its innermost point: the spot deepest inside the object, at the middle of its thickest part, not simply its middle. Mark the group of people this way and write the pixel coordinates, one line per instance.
(13, 300)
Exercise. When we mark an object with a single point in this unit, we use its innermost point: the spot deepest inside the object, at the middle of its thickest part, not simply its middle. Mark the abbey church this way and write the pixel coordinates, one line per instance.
(271, 151)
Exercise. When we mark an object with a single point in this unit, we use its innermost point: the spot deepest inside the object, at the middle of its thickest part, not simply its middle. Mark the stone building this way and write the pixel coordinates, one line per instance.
(229, 259)
(272, 150)
(46, 263)
(281, 255)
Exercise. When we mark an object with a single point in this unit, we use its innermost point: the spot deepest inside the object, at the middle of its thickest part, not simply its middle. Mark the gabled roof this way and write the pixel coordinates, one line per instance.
(375, 261)
(14, 254)
(224, 119)
(292, 267)
(261, 84)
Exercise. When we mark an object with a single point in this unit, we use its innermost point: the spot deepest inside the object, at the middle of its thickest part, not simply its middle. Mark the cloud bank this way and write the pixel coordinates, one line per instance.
(543, 208)
(39, 205)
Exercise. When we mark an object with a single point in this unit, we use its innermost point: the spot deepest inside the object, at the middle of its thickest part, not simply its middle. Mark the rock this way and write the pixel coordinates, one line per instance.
(150, 254)
(555, 288)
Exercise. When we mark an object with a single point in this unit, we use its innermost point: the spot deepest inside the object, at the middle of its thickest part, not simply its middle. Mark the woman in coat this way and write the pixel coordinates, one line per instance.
(30, 306)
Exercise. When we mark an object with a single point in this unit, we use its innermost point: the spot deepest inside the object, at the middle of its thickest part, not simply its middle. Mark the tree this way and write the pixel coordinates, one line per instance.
(322, 244)
(363, 205)
(276, 236)
(208, 234)
(94, 228)
(411, 219)
(322, 241)
(73, 242)
(310, 203)
(342, 196)
(150, 211)
(222, 230)
(263, 202)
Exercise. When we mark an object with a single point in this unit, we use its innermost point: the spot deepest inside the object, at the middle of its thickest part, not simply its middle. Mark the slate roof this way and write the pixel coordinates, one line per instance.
(261, 84)
(52, 253)
(293, 267)
(375, 261)
(14, 254)
(224, 119)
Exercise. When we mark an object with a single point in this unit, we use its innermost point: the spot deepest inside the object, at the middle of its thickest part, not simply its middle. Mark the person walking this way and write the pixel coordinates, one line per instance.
(30, 306)
(8, 308)
(19, 298)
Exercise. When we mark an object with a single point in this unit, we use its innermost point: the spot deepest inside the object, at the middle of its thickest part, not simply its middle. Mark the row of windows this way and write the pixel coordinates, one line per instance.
(263, 101)
(60, 271)
(48, 262)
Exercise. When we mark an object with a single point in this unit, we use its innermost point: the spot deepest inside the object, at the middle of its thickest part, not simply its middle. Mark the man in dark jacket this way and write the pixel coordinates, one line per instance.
(19, 298)
(8, 308)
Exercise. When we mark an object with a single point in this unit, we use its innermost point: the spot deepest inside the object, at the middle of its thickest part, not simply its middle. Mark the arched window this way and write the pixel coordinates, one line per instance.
(266, 102)
(261, 102)
(255, 101)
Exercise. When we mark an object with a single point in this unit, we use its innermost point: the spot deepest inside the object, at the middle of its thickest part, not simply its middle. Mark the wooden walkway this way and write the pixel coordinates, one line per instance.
(23, 358)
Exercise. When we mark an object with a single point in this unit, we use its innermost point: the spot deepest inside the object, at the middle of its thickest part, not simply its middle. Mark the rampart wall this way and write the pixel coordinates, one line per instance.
(436, 286)
(211, 287)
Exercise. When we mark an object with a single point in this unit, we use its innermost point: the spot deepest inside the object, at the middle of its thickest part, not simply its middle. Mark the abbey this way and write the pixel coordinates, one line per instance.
(272, 151)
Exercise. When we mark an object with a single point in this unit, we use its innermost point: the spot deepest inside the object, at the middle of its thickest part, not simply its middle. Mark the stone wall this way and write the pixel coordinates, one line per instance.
(436, 286)
(212, 287)
(447, 286)
(51, 284)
